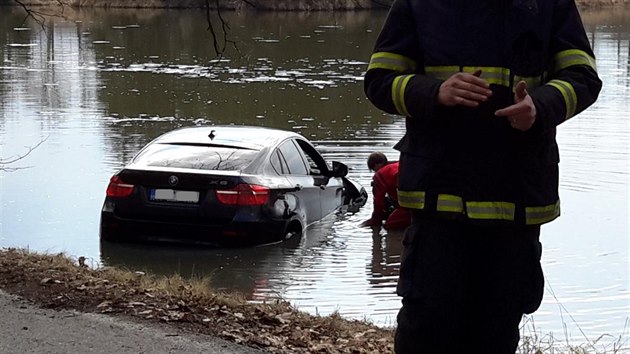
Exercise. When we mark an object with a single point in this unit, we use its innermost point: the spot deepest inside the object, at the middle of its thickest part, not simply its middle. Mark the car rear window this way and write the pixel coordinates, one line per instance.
(199, 157)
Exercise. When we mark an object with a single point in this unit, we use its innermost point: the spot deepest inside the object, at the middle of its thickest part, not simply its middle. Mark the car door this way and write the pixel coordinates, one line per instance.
(331, 189)
(306, 189)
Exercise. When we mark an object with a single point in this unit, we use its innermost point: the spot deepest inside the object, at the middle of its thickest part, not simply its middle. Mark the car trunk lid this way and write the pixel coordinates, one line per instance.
(177, 196)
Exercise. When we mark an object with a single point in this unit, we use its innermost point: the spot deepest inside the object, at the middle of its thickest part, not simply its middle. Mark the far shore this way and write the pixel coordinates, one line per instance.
(256, 5)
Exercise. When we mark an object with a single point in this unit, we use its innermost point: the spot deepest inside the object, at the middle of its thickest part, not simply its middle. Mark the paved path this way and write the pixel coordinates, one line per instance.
(25, 328)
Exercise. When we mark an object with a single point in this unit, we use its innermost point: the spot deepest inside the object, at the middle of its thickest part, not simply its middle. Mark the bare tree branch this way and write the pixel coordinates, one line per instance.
(215, 44)
(219, 48)
(226, 28)
(11, 160)
(40, 16)
(381, 4)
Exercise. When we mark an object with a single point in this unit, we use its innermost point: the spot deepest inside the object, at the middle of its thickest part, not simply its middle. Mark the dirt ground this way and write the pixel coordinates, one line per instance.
(26, 328)
(260, 5)
(56, 304)
(56, 282)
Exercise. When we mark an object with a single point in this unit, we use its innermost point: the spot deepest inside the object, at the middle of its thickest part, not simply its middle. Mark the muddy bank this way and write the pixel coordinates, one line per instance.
(57, 282)
(67, 301)
(257, 5)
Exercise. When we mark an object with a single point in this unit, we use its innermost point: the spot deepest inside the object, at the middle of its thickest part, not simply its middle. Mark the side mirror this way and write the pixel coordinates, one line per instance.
(339, 169)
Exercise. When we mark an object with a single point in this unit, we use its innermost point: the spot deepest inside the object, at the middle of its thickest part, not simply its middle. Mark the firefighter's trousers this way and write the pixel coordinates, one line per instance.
(465, 287)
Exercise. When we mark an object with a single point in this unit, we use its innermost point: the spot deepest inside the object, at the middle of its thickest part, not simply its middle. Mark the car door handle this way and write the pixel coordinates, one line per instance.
(322, 187)
(298, 187)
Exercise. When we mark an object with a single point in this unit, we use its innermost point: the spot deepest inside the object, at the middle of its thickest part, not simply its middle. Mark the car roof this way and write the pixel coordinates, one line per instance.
(239, 136)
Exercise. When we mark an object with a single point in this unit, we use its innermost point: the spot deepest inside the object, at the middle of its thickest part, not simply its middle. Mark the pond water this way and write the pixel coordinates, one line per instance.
(83, 94)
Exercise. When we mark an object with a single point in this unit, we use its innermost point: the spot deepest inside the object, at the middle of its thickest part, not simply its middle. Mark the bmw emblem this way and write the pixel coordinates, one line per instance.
(173, 180)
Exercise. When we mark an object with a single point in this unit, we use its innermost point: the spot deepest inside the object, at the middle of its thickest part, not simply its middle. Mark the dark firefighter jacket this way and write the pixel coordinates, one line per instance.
(467, 162)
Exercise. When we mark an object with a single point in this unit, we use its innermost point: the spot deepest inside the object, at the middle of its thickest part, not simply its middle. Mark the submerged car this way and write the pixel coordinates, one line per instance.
(225, 186)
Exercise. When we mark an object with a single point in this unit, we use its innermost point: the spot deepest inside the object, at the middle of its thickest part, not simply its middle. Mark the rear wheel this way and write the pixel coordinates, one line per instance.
(293, 235)
(106, 234)
(294, 230)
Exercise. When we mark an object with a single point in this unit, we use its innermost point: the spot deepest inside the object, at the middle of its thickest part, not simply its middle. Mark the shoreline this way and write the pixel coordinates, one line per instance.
(189, 308)
(255, 5)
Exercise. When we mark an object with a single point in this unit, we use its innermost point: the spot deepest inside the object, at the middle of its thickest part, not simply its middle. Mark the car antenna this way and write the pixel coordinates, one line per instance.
(211, 135)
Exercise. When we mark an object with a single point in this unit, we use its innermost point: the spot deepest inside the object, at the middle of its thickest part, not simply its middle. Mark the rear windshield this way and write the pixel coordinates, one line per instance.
(196, 157)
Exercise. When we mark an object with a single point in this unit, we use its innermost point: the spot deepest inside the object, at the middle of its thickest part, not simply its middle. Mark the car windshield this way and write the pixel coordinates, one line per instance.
(199, 157)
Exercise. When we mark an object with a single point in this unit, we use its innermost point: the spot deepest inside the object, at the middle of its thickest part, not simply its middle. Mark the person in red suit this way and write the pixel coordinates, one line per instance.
(384, 191)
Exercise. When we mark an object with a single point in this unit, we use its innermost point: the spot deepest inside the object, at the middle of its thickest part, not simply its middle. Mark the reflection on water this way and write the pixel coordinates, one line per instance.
(242, 270)
(98, 87)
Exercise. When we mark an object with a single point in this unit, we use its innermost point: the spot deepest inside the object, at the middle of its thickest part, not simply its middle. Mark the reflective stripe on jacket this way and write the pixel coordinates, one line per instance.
(466, 161)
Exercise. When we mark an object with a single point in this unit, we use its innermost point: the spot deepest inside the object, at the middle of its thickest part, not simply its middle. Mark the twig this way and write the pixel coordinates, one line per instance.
(226, 28)
(211, 29)
(590, 343)
(4, 163)
(249, 3)
(381, 4)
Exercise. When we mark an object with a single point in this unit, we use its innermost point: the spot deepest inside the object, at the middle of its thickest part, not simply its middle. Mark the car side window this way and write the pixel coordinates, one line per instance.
(317, 165)
(278, 163)
(293, 158)
(312, 166)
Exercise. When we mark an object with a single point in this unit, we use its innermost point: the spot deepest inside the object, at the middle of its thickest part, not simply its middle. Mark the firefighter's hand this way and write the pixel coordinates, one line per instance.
(464, 89)
(522, 114)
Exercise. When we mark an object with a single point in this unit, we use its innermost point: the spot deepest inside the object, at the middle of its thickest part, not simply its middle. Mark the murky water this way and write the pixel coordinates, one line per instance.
(95, 88)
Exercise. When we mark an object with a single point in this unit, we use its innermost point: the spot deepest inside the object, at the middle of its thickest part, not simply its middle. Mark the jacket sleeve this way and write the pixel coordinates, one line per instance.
(394, 81)
(379, 190)
(572, 83)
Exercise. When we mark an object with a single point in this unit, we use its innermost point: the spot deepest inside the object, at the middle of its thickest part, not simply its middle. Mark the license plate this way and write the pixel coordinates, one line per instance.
(171, 195)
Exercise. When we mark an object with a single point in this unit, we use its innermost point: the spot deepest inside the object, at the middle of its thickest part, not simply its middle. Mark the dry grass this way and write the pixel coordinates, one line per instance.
(57, 281)
(261, 5)
(535, 342)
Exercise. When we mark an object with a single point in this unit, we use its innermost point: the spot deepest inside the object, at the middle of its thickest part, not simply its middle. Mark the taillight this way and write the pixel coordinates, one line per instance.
(243, 194)
(118, 188)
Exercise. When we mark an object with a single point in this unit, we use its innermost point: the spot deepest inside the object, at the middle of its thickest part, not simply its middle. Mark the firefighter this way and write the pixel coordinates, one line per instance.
(384, 191)
(483, 86)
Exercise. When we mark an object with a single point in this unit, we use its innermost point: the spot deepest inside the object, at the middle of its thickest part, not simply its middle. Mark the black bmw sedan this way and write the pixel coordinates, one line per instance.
(224, 186)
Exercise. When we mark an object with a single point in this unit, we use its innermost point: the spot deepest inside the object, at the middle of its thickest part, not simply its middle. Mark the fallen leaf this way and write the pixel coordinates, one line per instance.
(104, 304)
